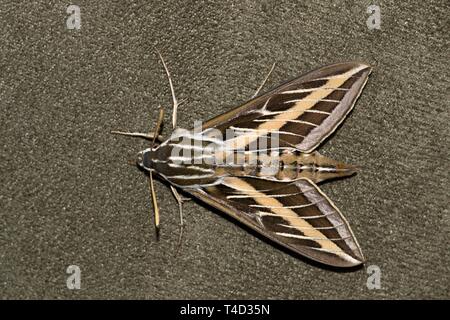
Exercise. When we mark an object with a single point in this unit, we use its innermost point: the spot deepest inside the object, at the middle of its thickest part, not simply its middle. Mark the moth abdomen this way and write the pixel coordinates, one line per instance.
(320, 168)
(290, 166)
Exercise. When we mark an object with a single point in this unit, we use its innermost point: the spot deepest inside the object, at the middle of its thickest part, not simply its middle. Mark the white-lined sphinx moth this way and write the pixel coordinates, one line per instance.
(271, 186)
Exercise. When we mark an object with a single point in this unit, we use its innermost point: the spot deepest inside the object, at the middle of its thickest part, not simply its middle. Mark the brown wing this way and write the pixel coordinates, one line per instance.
(303, 112)
(296, 215)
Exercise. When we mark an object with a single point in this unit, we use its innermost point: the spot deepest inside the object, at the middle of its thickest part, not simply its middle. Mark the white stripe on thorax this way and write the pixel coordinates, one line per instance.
(174, 165)
(185, 159)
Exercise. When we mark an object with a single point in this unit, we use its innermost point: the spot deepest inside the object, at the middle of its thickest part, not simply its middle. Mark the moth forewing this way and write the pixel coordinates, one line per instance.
(320, 100)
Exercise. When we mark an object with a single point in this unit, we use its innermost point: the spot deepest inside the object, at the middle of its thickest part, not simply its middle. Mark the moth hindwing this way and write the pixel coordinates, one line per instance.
(258, 162)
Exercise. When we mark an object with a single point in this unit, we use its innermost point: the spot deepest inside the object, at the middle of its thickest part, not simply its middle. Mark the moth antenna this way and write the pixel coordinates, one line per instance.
(148, 136)
(265, 80)
(153, 136)
(172, 90)
(158, 125)
(152, 188)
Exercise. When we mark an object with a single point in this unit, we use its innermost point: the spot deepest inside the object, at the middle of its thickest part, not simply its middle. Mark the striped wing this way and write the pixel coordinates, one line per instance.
(296, 215)
(302, 112)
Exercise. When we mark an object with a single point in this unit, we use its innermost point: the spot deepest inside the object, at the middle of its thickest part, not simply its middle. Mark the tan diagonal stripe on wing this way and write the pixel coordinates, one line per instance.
(289, 215)
(295, 111)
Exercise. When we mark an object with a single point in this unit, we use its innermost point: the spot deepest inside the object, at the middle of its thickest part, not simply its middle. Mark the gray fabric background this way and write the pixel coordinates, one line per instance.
(68, 196)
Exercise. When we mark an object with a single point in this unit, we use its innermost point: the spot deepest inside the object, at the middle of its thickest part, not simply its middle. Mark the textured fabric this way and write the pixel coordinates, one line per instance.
(68, 196)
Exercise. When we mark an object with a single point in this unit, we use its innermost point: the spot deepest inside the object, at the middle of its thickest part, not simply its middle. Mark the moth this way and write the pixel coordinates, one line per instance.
(270, 187)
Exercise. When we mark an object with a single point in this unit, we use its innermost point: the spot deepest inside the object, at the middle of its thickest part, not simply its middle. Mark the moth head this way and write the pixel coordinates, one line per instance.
(140, 159)
(144, 159)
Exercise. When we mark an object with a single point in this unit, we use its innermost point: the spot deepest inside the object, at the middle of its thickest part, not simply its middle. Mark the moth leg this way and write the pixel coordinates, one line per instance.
(180, 199)
(178, 196)
(172, 90)
(264, 82)
(148, 136)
